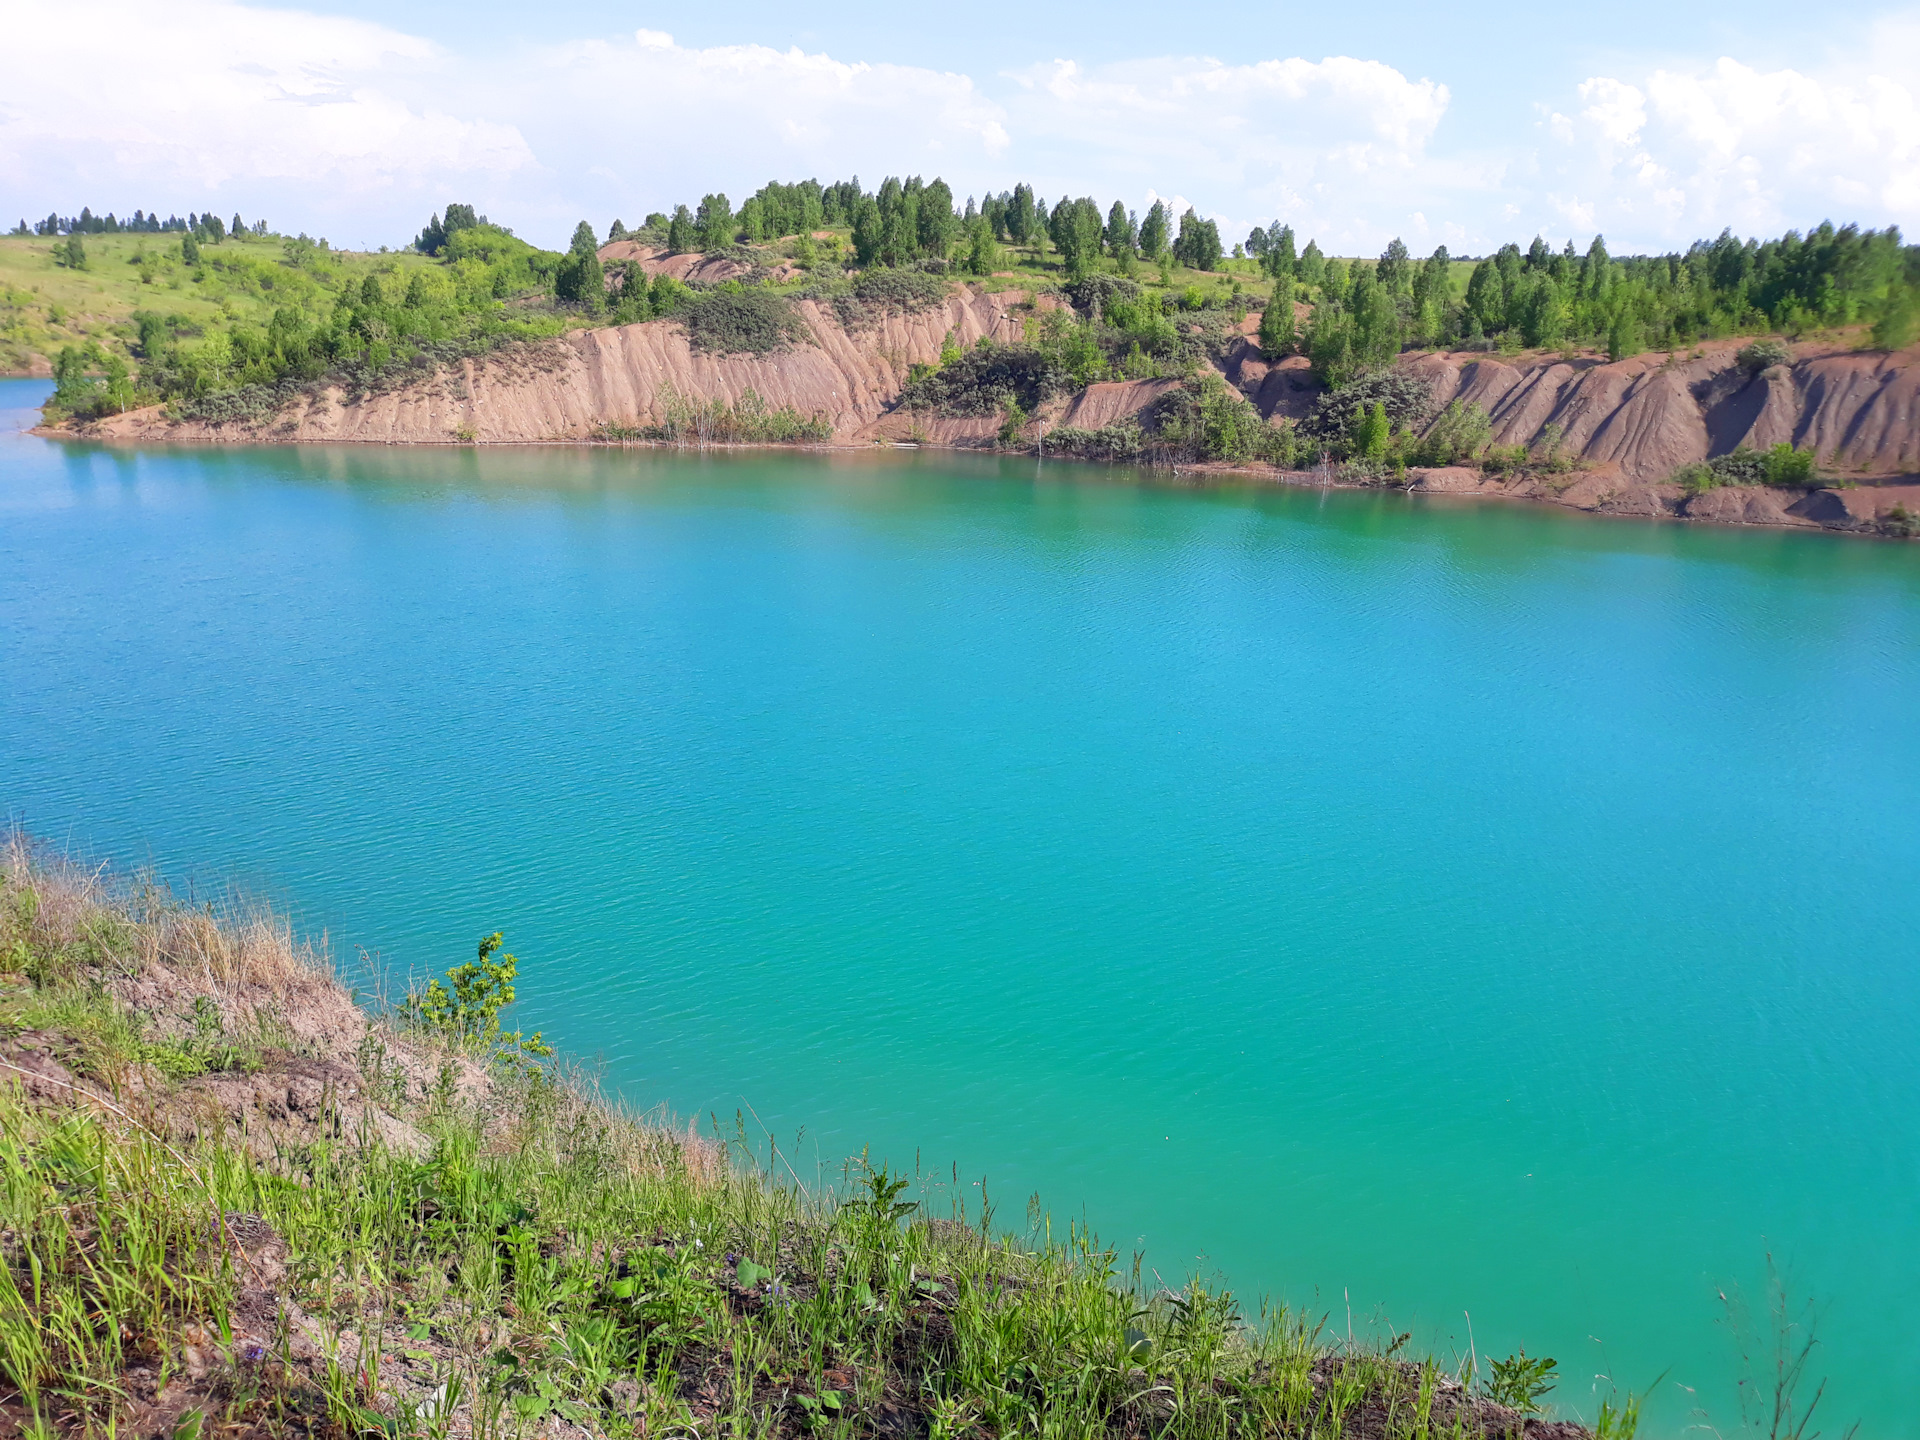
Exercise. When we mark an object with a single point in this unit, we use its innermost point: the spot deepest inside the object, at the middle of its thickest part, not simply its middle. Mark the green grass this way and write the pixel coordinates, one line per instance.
(44, 305)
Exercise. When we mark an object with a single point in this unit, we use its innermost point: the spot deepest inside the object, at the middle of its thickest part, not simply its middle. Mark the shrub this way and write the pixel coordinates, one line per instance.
(1122, 440)
(1782, 465)
(1462, 432)
(1407, 398)
(986, 380)
(728, 322)
(1207, 419)
(1100, 290)
(885, 291)
(714, 422)
(1761, 354)
(467, 1016)
(1900, 522)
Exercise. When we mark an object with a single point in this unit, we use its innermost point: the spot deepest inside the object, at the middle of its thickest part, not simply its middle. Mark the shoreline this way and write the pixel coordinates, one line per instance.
(1593, 491)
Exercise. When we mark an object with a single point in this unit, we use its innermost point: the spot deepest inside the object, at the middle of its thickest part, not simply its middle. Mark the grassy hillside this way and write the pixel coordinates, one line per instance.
(231, 1202)
(46, 305)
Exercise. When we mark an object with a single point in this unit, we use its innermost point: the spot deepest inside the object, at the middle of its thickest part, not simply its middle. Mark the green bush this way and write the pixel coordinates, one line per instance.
(1762, 354)
(467, 1015)
(886, 291)
(754, 321)
(1122, 440)
(1783, 466)
(1462, 433)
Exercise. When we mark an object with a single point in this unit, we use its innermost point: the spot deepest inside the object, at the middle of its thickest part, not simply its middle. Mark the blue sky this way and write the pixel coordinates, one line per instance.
(1650, 123)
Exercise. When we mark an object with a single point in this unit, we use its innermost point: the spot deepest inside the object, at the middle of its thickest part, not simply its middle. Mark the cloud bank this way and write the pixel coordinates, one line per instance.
(358, 130)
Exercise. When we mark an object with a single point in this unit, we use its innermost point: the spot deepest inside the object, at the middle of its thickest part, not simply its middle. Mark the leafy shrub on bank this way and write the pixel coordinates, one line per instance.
(1763, 354)
(1781, 466)
(715, 422)
(737, 321)
(1407, 399)
(1207, 419)
(987, 380)
(880, 293)
(1122, 440)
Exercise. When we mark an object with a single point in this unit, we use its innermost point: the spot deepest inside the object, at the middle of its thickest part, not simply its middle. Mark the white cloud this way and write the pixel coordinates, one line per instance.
(1332, 145)
(357, 130)
(185, 104)
(1683, 153)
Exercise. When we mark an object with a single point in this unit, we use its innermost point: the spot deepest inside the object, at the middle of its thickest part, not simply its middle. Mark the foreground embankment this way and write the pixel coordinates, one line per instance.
(235, 1200)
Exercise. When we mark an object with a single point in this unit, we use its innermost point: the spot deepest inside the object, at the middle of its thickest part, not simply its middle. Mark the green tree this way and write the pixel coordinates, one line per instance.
(1278, 258)
(868, 231)
(1153, 232)
(1369, 432)
(1076, 231)
(579, 278)
(682, 234)
(1395, 269)
(73, 254)
(1120, 232)
(1198, 245)
(1623, 336)
(1376, 321)
(1021, 223)
(1277, 325)
(1313, 265)
(714, 220)
(983, 252)
(934, 220)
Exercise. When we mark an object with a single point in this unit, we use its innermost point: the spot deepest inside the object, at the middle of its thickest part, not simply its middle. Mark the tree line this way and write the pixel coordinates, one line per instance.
(1365, 314)
(208, 226)
(1362, 313)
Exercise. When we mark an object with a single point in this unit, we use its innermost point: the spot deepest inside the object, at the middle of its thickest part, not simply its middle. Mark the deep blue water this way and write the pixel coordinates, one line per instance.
(1425, 907)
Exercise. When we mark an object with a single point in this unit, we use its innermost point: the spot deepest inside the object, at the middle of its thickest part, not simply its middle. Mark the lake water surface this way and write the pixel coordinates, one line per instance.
(1403, 908)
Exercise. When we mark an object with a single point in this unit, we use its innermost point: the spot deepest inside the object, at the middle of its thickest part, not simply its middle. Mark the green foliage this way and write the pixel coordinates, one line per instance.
(1900, 321)
(713, 222)
(1078, 234)
(1154, 231)
(1207, 419)
(1277, 326)
(1520, 1383)
(989, 380)
(1122, 440)
(715, 422)
(730, 321)
(1198, 244)
(73, 252)
(1462, 433)
(433, 238)
(579, 279)
(1406, 399)
(1782, 466)
(880, 293)
(1763, 354)
(467, 1015)
(682, 234)
(1013, 424)
(1367, 433)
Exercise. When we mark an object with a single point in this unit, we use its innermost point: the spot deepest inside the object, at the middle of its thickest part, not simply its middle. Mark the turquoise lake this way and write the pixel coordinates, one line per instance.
(1407, 909)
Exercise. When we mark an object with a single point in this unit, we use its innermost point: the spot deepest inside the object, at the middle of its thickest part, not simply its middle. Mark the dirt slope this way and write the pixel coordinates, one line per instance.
(566, 389)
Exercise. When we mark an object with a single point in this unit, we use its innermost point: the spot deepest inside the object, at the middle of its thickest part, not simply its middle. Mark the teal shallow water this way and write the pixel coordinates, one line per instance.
(1428, 907)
